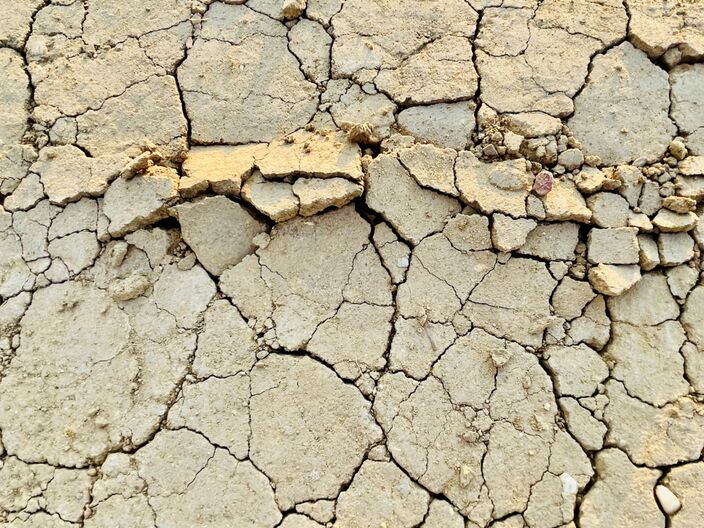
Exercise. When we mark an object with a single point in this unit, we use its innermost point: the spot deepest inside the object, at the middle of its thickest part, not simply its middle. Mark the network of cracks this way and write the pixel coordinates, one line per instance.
(362, 264)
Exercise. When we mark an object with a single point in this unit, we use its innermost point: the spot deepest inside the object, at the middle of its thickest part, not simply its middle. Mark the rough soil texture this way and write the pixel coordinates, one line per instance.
(351, 264)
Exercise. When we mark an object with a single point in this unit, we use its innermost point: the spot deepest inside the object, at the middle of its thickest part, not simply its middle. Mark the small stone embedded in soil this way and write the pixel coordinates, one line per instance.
(543, 183)
(685, 483)
(668, 501)
(292, 8)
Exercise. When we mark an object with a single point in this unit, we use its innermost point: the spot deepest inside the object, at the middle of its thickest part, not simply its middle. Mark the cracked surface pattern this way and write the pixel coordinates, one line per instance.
(351, 264)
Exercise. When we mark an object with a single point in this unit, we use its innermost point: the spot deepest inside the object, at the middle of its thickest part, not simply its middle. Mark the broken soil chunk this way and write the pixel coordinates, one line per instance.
(323, 155)
(262, 99)
(219, 231)
(298, 394)
(220, 168)
(612, 119)
(497, 187)
(141, 201)
(381, 493)
(623, 495)
(432, 167)
(274, 199)
(611, 279)
(414, 211)
(316, 195)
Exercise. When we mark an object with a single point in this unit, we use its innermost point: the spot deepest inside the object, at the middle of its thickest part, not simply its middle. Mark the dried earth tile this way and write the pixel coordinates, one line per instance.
(326, 424)
(264, 99)
(414, 211)
(90, 403)
(219, 231)
(380, 494)
(501, 187)
(623, 496)
(447, 125)
(637, 126)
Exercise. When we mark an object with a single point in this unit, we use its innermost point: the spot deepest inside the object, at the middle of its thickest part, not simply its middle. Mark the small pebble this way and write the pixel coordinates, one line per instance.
(543, 183)
(668, 501)
(678, 149)
(571, 158)
(569, 484)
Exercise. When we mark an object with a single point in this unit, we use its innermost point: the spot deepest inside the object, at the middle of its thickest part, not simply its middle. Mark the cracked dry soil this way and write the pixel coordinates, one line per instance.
(351, 263)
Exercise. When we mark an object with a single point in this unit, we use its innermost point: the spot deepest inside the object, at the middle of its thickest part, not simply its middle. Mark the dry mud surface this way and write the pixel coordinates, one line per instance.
(353, 264)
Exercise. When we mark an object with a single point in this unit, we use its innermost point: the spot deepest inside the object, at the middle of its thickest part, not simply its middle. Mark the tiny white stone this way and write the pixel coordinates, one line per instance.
(36, 48)
(402, 262)
(668, 501)
(569, 484)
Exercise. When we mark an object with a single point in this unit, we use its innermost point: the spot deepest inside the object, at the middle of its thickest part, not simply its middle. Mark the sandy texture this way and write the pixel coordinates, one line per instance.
(351, 264)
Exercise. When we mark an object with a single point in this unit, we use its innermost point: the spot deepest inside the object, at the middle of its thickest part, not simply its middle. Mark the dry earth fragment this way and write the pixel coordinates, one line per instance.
(611, 279)
(67, 174)
(622, 113)
(220, 168)
(656, 28)
(148, 196)
(415, 212)
(89, 402)
(331, 420)
(312, 154)
(381, 494)
(624, 497)
(317, 194)
(501, 187)
(685, 484)
(219, 231)
(448, 125)
(264, 99)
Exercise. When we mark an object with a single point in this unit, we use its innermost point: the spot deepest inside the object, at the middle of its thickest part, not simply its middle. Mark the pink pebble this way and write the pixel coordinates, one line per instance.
(543, 183)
